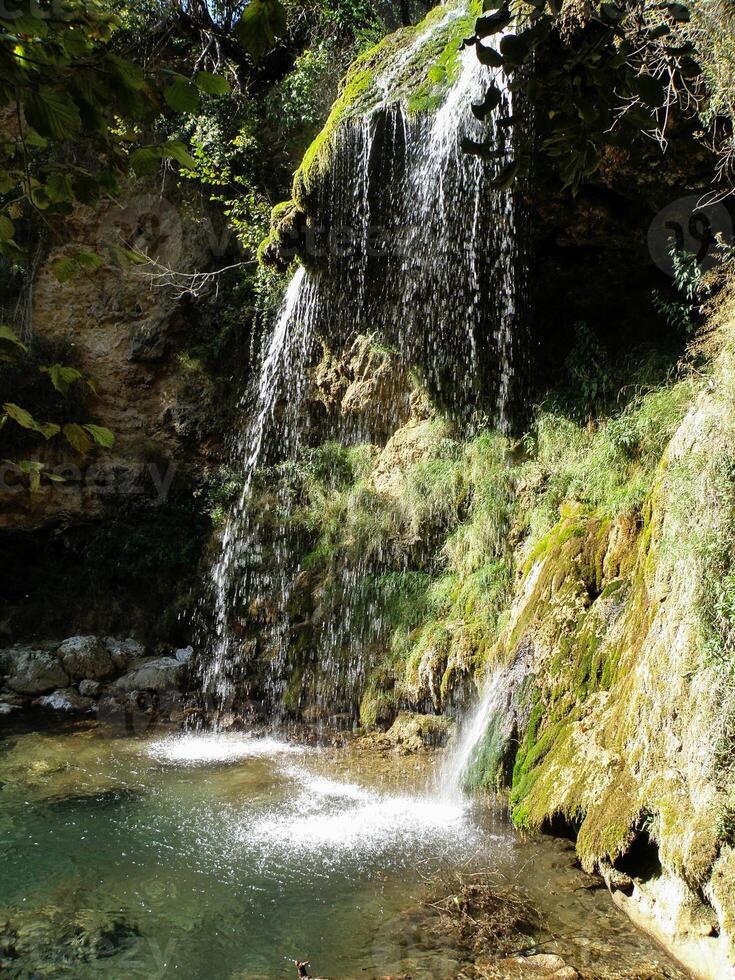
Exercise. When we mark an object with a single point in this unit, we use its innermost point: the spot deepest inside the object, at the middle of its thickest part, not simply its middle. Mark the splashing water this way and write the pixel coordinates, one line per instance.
(460, 757)
(217, 747)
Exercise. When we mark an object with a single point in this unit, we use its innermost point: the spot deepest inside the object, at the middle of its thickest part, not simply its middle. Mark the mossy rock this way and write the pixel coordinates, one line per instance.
(415, 731)
(285, 239)
(399, 68)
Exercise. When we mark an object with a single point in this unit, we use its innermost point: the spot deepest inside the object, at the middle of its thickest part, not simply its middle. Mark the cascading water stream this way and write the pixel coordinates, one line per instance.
(440, 287)
(459, 758)
(281, 369)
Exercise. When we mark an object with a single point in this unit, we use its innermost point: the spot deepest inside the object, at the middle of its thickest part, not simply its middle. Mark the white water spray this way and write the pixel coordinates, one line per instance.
(460, 756)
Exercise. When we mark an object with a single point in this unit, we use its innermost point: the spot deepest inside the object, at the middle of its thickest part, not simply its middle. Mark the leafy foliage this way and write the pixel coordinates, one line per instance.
(601, 77)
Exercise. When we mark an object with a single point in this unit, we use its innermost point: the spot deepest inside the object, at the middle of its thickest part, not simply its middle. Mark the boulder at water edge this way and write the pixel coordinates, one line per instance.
(86, 657)
(35, 672)
(162, 674)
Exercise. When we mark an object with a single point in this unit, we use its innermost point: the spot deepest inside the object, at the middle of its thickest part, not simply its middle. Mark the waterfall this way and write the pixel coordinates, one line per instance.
(413, 245)
(460, 756)
(281, 372)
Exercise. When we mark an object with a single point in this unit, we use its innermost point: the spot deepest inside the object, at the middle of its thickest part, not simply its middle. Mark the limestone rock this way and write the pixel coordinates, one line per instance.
(160, 674)
(414, 731)
(64, 700)
(546, 965)
(124, 653)
(89, 689)
(36, 672)
(86, 657)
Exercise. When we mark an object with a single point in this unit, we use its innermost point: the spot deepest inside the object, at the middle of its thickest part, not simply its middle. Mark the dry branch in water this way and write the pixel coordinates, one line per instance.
(485, 914)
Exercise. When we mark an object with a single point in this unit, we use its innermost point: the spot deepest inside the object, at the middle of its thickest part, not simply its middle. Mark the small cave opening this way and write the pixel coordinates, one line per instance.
(641, 860)
(559, 825)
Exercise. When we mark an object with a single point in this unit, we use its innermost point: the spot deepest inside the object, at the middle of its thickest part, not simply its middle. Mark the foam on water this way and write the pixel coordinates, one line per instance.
(214, 747)
(343, 819)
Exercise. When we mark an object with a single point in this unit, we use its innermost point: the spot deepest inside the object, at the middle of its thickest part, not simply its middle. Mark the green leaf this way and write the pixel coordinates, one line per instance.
(52, 112)
(126, 72)
(612, 13)
(689, 68)
(26, 421)
(212, 84)
(86, 189)
(62, 377)
(146, 160)
(175, 150)
(70, 266)
(10, 344)
(7, 229)
(182, 95)
(488, 56)
(7, 181)
(12, 251)
(485, 150)
(493, 23)
(490, 102)
(32, 138)
(679, 12)
(58, 188)
(504, 180)
(650, 90)
(77, 437)
(102, 436)
(262, 22)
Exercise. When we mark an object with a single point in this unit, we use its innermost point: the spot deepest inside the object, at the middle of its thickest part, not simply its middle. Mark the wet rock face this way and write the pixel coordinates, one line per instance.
(66, 700)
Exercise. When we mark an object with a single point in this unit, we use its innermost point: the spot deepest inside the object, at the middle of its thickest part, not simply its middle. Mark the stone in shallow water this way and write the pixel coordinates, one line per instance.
(65, 700)
(86, 657)
(414, 731)
(36, 672)
(161, 674)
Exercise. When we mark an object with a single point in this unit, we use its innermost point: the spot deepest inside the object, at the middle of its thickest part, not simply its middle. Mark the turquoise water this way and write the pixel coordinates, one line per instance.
(222, 856)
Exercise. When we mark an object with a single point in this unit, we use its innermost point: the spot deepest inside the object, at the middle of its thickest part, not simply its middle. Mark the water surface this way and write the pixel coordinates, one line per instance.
(224, 856)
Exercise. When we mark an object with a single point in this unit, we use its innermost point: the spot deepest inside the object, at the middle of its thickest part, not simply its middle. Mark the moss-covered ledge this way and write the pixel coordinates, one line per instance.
(414, 66)
(285, 240)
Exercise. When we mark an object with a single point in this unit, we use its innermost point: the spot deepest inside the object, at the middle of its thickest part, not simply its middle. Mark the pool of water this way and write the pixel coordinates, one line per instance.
(226, 856)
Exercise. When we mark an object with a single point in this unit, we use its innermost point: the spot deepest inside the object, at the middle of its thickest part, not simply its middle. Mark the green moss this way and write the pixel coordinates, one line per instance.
(487, 768)
(444, 61)
(419, 82)
(318, 156)
(281, 244)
